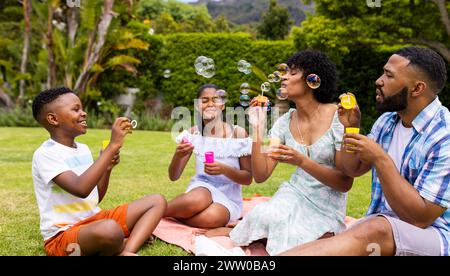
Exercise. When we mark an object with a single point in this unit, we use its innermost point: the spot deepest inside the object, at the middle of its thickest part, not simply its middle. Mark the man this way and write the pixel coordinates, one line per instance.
(408, 150)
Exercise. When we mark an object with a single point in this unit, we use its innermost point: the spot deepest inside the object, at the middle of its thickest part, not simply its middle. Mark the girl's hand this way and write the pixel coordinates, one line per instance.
(288, 155)
(184, 149)
(215, 168)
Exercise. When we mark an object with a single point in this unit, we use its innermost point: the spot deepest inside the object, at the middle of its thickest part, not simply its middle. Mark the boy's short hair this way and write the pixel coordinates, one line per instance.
(46, 97)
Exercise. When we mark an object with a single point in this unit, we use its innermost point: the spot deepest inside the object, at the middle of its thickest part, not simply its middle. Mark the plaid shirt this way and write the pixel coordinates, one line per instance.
(425, 163)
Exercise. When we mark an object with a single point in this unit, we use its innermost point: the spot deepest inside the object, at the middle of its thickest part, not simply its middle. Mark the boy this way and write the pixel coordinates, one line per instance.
(69, 185)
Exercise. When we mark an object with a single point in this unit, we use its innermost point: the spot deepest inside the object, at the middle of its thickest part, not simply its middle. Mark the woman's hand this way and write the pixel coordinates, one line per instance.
(257, 114)
(288, 155)
(215, 168)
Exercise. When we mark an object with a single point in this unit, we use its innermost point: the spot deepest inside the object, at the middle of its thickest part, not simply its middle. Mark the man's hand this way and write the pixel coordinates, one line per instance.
(369, 151)
(349, 117)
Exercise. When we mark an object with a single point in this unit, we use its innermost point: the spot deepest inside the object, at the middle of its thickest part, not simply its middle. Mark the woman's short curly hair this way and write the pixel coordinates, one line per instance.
(315, 62)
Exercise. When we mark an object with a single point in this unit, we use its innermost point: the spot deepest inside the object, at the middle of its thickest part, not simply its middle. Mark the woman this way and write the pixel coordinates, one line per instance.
(312, 203)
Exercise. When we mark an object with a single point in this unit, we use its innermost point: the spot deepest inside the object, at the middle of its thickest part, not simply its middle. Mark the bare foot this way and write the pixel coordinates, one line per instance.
(221, 231)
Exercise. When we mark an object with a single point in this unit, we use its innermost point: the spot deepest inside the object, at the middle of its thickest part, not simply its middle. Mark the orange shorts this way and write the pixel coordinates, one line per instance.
(65, 243)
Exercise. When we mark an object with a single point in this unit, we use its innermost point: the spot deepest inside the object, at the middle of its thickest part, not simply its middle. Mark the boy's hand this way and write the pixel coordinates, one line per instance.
(215, 168)
(114, 161)
(349, 117)
(119, 129)
(184, 149)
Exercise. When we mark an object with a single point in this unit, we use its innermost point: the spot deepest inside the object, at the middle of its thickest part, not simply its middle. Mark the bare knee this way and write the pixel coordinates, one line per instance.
(158, 201)
(197, 201)
(110, 235)
(373, 230)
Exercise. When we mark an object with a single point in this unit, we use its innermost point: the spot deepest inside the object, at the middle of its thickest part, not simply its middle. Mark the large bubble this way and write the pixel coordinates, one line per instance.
(204, 66)
(244, 67)
(277, 76)
(313, 81)
(283, 68)
(244, 100)
(282, 94)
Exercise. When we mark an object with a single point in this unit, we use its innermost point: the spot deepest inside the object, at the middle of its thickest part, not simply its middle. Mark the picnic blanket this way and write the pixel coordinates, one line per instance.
(174, 232)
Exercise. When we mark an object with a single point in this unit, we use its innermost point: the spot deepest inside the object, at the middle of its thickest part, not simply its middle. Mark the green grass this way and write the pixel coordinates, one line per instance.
(143, 170)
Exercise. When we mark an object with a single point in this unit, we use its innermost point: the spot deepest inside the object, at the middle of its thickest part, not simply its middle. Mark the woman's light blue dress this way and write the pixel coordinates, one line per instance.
(303, 209)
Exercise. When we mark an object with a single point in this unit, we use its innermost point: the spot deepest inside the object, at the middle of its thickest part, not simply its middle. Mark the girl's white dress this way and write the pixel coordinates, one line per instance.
(226, 151)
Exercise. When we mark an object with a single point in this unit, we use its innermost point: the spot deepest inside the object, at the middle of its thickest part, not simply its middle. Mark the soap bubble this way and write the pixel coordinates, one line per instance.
(313, 81)
(222, 95)
(271, 78)
(283, 68)
(167, 73)
(282, 94)
(204, 66)
(200, 64)
(209, 72)
(244, 100)
(277, 76)
(265, 87)
(245, 88)
(244, 67)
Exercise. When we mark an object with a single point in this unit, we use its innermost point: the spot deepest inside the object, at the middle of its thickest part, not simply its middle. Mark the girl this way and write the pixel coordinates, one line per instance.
(214, 197)
(312, 203)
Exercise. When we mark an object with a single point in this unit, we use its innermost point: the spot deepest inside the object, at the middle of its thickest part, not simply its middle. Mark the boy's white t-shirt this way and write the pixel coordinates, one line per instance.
(400, 140)
(59, 210)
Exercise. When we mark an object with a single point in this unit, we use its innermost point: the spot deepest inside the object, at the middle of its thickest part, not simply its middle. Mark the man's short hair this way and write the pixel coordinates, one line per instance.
(428, 62)
(46, 97)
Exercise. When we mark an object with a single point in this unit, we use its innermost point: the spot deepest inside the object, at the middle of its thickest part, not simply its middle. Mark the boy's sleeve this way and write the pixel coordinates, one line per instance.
(50, 165)
(434, 178)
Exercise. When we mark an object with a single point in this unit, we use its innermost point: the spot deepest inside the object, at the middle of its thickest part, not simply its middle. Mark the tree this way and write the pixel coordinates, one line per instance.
(26, 46)
(275, 22)
(93, 53)
(340, 25)
(222, 25)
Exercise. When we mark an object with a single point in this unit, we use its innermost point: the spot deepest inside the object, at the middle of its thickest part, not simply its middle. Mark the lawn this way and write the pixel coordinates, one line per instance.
(143, 170)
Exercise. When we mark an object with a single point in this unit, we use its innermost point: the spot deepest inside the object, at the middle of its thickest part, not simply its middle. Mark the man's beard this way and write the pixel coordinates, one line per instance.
(395, 103)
